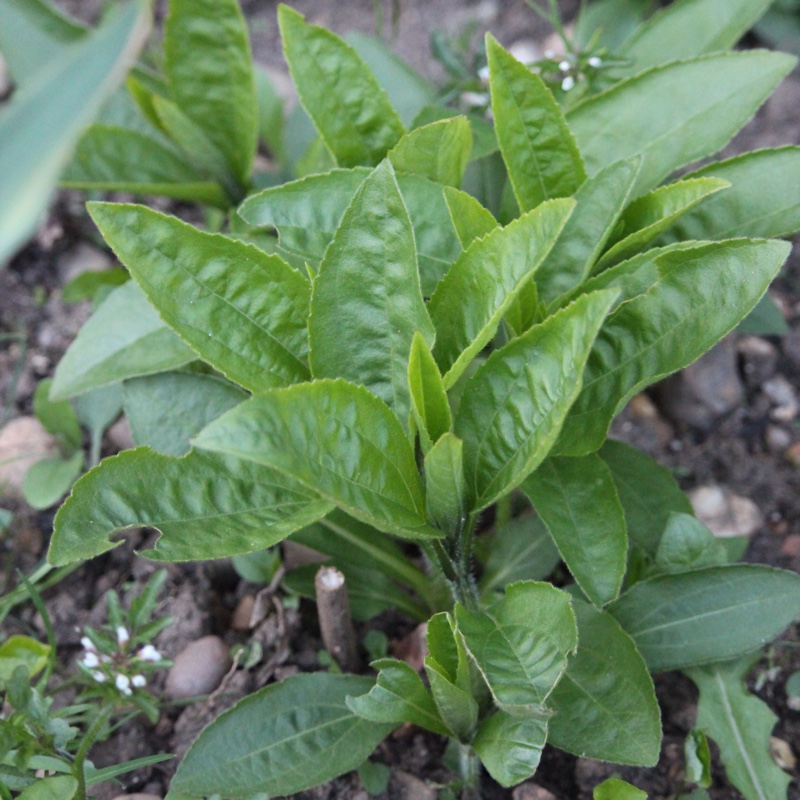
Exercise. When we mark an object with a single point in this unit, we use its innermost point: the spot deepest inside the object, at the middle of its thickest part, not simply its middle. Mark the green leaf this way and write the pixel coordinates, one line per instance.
(697, 755)
(510, 747)
(44, 119)
(47, 481)
(444, 485)
(741, 725)
(429, 403)
(707, 615)
(699, 296)
(374, 777)
(473, 296)
(205, 505)
(514, 405)
(457, 708)
(124, 338)
(611, 21)
(605, 705)
(253, 748)
(521, 644)
(599, 203)
(93, 285)
(22, 651)
(675, 114)
(648, 492)
(210, 73)
(766, 319)
(270, 115)
(122, 160)
(577, 500)
(470, 219)
(343, 98)
(616, 789)
(538, 148)
(652, 213)
(366, 304)
(241, 310)
(398, 696)
(690, 28)
(57, 416)
(761, 200)
(687, 544)
(337, 439)
(438, 151)
(62, 787)
(166, 411)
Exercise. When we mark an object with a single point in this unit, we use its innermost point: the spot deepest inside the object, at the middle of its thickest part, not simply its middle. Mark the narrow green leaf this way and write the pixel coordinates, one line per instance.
(510, 747)
(538, 148)
(444, 485)
(605, 704)
(253, 748)
(47, 481)
(697, 755)
(457, 708)
(616, 789)
(57, 416)
(116, 159)
(649, 215)
(337, 439)
(347, 104)
(438, 151)
(690, 28)
(521, 644)
(241, 310)
(366, 304)
(205, 505)
(687, 544)
(741, 725)
(515, 404)
(472, 298)
(210, 73)
(675, 114)
(470, 219)
(124, 338)
(429, 403)
(707, 615)
(398, 696)
(610, 22)
(699, 297)
(648, 492)
(577, 500)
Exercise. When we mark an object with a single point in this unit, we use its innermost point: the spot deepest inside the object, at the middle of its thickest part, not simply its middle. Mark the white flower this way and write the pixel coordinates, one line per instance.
(595, 61)
(148, 653)
(91, 660)
(87, 644)
(123, 637)
(123, 683)
(138, 681)
(565, 66)
(483, 73)
(98, 676)
(568, 83)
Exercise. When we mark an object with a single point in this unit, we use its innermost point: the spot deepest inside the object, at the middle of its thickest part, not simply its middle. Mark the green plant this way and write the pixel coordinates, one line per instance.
(413, 369)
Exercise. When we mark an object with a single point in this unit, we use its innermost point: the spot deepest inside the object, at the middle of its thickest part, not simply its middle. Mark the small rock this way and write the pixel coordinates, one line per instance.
(705, 390)
(82, 258)
(724, 513)
(199, 668)
(590, 773)
(777, 439)
(792, 454)
(791, 546)
(298, 555)
(553, 45)
(759, 359)
(409, 787)
(413, 648)
(782, 395)
(23, 442)
(782, 754)
(243, 613)
(525, 50)
(137, 796)
(532, 791)
(120, 436)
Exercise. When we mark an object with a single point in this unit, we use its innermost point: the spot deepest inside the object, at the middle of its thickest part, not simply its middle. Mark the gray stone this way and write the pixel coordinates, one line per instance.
(405, 786)
(724, 513)
(199, 668)
(23, 442)
(120, 436)
(759, 359)
(532, 791)
(82, 258)
(783, 397)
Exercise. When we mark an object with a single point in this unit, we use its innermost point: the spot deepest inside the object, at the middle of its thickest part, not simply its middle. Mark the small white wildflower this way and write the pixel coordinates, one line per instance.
(474, 99)
(483, 73)
(565, 66)
(87, 644)
(567, 83)
(98, 676)
(138, 681)
(148, 653)
(123, 683)
(91, 660)
(595, 61)
(123, 637)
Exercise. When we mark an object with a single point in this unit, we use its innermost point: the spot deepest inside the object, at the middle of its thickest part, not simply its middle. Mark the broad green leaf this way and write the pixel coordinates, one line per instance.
(514, 405)
(438, 151)
(283, 739)
(616, 789)
(97, 410)
(205, 505)
(241, 310)
(398, 696)
(22, 651)
(41, 123)
(473, 296)
(366, 304)
(457, 708)
(470, 219)
(605, 705)
(648, 492)
(166, 411)
(687, 544)
(337, 439)
(762, 199)
(699, 296)
(510, 747)
(611, 21)
(741, 725)
(444, 485)
(210, 72)
(766, 319)
(62, 787)
(347, 104)
(652, 213)
(429, 403)
(47, 481)
(707, 615)
(521, 644)
(577, 501)
(521, 550)
(675, 114)
(121, 160)
(599, 203)
(124, 338)
(537, 146)
(57, 416)
(270, 115)
(690, 28)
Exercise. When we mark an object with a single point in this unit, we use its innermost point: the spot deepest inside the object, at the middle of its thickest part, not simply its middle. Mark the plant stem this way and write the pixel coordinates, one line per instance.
(89, 739)
(469, 768)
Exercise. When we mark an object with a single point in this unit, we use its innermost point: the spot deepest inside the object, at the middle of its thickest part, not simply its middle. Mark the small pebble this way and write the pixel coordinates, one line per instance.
(120, 436)
(724, 513)
(782, 753)
(82, 258)
(243, 614)
(409, 787)
(782, 395)
(777, 439)
(199, 668)
(525, 51)
(759, 359)
(23, 442)
(532, 791)
(791, 546)
(792, 454)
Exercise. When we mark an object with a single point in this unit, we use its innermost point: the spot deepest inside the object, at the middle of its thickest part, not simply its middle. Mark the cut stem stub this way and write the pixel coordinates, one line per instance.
(335, 621)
